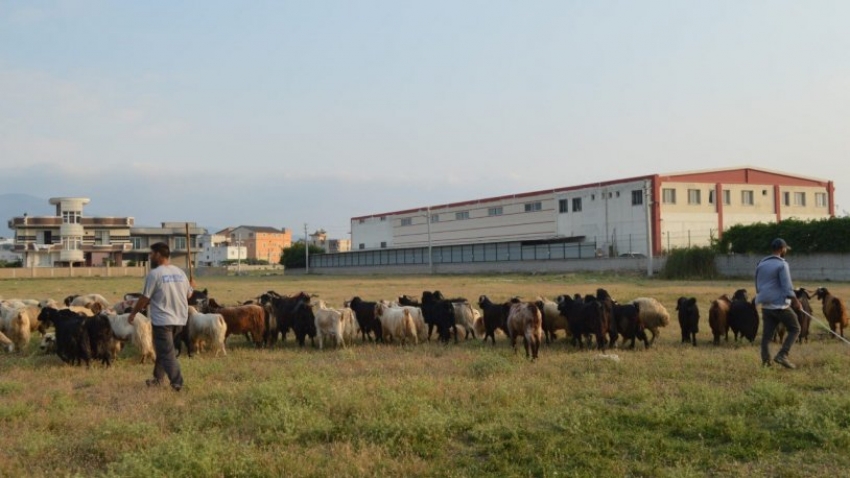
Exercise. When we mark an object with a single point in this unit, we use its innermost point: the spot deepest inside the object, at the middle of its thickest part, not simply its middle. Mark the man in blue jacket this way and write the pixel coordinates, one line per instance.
(775, 293)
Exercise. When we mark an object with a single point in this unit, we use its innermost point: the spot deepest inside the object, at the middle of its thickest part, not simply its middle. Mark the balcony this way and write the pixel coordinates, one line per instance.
(71, 230)
(71, 256)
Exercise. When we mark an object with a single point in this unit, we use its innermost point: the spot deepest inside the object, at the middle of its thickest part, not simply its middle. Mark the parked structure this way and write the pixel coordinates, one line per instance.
(261, 242)
(622, 216)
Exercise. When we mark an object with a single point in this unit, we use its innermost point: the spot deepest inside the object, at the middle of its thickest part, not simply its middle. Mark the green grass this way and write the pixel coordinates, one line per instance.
(431, 410)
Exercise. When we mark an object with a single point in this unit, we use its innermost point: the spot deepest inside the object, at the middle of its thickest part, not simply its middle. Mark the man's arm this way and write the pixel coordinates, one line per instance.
(140, 305)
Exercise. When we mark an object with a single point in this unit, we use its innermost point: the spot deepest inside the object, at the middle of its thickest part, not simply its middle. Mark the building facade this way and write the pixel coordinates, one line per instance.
(654, 213)
(216, 250)
(260, 242)
(70, 238)
(320, 239)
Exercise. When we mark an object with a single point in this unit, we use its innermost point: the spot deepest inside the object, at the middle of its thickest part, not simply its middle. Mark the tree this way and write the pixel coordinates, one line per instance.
(293, 256)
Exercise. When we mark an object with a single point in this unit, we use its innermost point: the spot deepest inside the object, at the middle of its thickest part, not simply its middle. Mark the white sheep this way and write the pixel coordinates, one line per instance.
(15, 324)
(652, 315)
(139, 333)
(396, 323)
(207, 328)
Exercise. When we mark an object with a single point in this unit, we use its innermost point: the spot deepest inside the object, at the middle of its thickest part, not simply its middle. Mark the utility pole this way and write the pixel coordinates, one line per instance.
(238, 254)
(428, 220)
(306, 251)
(647, 205)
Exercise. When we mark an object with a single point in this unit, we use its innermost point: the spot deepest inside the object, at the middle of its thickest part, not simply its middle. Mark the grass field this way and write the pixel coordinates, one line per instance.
(432, 410)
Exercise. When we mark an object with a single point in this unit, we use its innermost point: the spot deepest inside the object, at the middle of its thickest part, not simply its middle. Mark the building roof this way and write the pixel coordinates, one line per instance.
(735, 175)
(272, 230)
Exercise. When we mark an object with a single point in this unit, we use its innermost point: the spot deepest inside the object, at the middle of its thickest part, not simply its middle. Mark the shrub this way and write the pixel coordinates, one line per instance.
(690, 263)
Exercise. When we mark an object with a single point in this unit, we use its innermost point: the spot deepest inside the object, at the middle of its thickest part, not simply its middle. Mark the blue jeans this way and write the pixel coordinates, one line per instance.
(166, 361)
(771, 319)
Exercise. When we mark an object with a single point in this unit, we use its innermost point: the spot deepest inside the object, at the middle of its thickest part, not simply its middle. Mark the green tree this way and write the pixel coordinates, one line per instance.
(293, 256)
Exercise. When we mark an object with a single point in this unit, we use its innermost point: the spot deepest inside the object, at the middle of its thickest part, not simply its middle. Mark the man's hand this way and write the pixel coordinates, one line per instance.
(795, 304)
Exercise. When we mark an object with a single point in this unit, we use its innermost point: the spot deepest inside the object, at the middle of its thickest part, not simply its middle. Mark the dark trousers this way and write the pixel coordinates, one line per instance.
(166, 361)
(771, 319)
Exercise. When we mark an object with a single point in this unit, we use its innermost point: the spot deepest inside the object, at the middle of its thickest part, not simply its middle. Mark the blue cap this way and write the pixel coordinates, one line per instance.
(779, 244)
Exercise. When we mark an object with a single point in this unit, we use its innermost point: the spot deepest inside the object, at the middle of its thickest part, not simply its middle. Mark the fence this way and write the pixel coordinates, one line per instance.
(461, 254)
(59, 272)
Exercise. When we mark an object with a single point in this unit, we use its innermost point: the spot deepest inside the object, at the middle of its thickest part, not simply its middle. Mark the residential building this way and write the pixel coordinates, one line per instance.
(216, 249)
(172, 233)
(320, 239)
(621, 216)
(7, 251)
(260, 242)
(69, 238)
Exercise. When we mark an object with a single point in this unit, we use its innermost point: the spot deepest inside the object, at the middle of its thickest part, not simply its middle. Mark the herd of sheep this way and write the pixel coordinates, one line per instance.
(88, 327)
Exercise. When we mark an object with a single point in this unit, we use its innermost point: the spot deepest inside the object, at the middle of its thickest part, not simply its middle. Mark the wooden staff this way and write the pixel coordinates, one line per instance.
(188, 253)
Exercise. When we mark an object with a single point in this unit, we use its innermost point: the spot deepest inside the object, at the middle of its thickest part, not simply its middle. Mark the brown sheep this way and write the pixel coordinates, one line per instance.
(718, 318)
(834, 310)
(526, 320)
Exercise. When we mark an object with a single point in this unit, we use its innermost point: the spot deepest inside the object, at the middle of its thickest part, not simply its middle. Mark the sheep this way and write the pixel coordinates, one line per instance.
(626, 321)
(525, 319)
(139, 333)
(494, 317)
(653, 315)
(210, 328)
(15, 323)
(804, 318)
(328, 323)
(350, 326)
(89, 300)
(396, 322)
(688, 319)
(718, 318)
(833, 309)
(48, 343)
(552, 319)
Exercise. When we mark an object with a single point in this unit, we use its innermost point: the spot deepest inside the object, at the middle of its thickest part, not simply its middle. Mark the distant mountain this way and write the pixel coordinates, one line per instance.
(15, 205)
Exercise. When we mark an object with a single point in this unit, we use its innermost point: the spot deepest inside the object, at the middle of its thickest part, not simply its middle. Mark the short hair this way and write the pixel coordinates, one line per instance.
(162, 249)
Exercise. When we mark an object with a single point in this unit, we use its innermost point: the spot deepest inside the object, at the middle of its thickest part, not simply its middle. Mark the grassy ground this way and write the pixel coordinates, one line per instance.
(431, 410)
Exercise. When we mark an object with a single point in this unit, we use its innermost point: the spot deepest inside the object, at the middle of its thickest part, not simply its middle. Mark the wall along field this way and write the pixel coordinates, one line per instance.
(433, 410)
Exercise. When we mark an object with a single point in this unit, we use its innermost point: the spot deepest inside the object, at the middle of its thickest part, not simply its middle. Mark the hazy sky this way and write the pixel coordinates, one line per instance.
(282, 113)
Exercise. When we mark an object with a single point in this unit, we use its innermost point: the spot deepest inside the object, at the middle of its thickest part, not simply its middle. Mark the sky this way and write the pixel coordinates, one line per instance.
(282, 113)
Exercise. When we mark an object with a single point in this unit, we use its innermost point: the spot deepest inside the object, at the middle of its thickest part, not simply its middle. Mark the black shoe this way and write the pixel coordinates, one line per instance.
(152, 382)
(783, 360)
(177, 388)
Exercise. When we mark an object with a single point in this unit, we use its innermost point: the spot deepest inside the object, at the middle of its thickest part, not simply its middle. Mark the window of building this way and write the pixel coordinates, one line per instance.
(71, 243)
(668, 196)
(383, 218)
(618, 194)
(786, 199)
(71, 217)
(694, 196)
(180, 243)
(563, 205)
(533, 206)
(637, 197)
(101, 237)
(820, 199)
(136, 242)
(383, 245)
(495, 211)
(747, 198)
(576, 204)
(48, 237)
(406, 221)
(461, 215)
(435, 218)
(593, 197)
(361, 221)
(711, 196)
(361, 246)
(727, 197)
(799, 199)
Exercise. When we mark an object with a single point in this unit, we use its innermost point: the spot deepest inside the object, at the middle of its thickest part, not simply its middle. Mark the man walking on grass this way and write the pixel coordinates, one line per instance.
(775, 293)
(167, 290)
